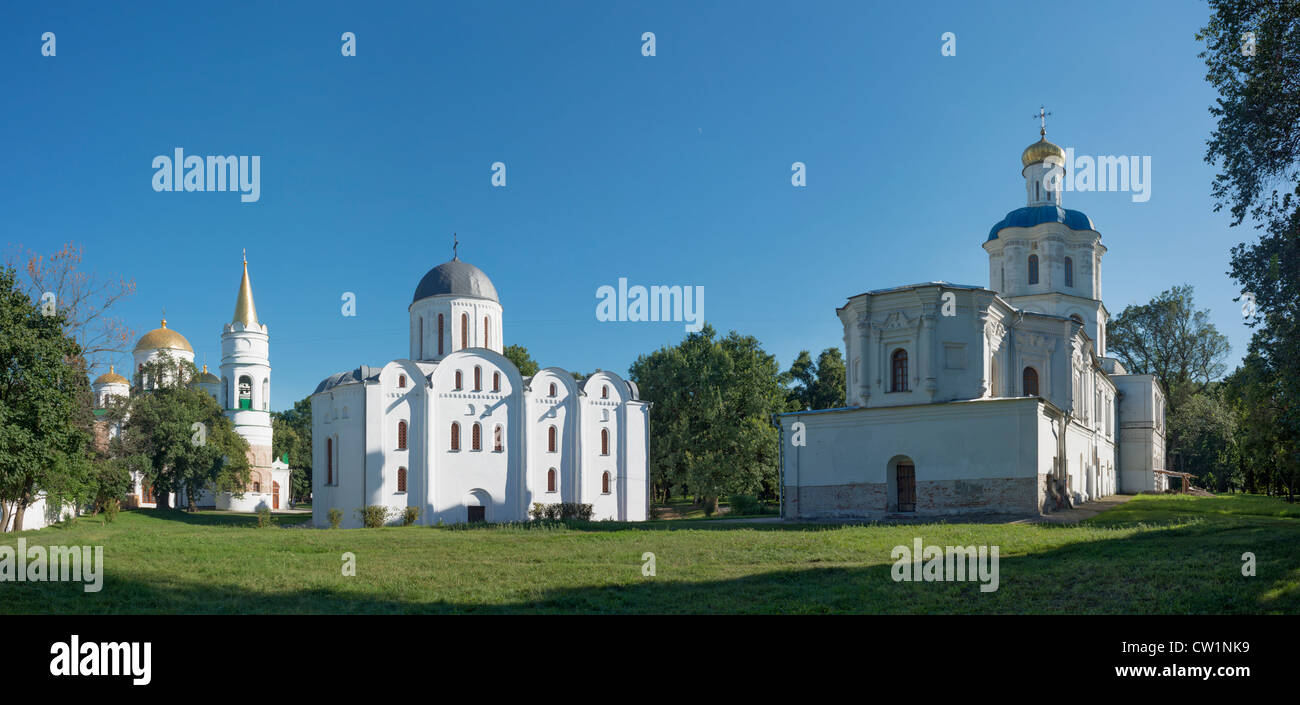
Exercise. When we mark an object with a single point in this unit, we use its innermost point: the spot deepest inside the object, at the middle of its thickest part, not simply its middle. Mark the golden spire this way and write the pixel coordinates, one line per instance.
(245, 311)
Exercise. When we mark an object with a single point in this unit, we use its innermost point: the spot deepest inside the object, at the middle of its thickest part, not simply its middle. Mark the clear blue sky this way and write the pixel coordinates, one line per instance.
(673, 169)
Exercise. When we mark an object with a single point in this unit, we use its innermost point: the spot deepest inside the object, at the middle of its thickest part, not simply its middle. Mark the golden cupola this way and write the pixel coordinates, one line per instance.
(163, 338)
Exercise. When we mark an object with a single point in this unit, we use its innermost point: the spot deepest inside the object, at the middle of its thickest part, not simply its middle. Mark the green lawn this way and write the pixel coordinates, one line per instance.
(1165, 554)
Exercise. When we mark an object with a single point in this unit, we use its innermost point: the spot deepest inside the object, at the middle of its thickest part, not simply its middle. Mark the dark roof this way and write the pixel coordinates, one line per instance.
(455, 278)
(1029, 216)
(362, 373)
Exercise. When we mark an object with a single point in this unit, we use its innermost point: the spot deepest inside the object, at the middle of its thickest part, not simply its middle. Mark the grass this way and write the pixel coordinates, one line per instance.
(1154, 554)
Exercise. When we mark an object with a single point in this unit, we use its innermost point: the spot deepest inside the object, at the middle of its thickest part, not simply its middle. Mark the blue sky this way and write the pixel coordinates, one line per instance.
(672, 169)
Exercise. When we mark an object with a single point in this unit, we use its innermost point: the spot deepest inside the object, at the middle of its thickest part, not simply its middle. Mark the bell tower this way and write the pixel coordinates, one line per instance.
(245, 392)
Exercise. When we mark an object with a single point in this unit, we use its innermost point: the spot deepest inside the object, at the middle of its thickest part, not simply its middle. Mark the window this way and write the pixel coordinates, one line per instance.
(455, 436)
(486, 333)
(1038, 195)
(257, 487)
(550, 440)
(898, 363)
(496, 381)
(460, 382)
(604, 391)
(604, 482)
(401, 381)
(440, 326)
(552, 389)
(1029, 380)
(478, 378)
(550, 480)
(476, 438)
(146, 493)
(329, 461)
(401, 479)
(604, 441)
(498, 439)
(245, 392)
(1069, 272)
(401, 435)
(421, 348)
(1033, 269)
(464, 330)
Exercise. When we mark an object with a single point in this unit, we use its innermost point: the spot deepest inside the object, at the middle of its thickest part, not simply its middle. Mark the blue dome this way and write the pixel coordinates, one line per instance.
(456, 278)
(1030, 216)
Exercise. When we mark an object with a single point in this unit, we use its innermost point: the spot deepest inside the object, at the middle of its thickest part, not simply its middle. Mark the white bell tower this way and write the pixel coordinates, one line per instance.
(246, 376)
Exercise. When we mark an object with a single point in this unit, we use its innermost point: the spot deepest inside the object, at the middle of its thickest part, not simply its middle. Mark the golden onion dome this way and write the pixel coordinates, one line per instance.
(206, 377)
(1040, 151)
(111, 377)
(163, 338)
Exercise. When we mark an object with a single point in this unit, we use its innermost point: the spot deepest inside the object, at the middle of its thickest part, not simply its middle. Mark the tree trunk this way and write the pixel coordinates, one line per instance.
(6, 509)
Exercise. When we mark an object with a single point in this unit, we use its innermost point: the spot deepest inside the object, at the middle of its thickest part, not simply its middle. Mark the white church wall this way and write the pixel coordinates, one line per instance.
(337, 417)
(560, 411)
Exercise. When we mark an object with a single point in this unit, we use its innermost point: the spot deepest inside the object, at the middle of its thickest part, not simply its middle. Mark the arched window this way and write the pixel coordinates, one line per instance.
(604, 391)
(604, 482)
(898, 364)
(487, 331)
(604, 441)
(464, 330)
(455, 436)
(476, 438)
(257, 487)
(225, 393)
(245, 392)
(401, 435)
(401, 479)
(550, 439)
(1030, 382)
(401, 381)
(478, 378)
(552, 389)
(440, 329)
(1033, 269)
(329, 461)
(460, 382)
(1076, 318)
(498, 439)
(1069, 272)
(496, 381)
(550, 480)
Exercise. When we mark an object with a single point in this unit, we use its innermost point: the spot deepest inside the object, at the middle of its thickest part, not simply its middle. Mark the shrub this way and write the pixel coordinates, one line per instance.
(264, 518)
(111, 508)
(410, 515)
(538, 511)
(336, 517)
(374, 516)
(743, 504)
(563, 510)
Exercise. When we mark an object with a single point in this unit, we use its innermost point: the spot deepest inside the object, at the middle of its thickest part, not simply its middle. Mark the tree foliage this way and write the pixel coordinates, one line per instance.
(518, 354)
(292, 435)
(820, 385)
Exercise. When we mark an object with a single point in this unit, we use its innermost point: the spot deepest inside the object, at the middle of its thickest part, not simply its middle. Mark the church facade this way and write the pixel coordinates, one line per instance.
(455, 431)
(967, 399)
(243, 390)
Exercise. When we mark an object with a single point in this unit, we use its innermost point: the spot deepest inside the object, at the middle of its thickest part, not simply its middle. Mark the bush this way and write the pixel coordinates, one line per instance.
(410, 516)
(336, 517)
(264, 518)
(563, 510)
(374, 516)
(744, 504)
(111, 508)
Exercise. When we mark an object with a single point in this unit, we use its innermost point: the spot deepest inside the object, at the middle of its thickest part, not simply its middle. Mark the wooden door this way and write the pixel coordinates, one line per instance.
(906, 487)
(275, 495)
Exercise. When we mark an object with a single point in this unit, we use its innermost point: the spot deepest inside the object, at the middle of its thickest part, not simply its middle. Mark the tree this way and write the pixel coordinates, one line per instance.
(713, 402)
(43, 407)
(84, 300)
(820, 386)
(1167, 337)
(179, 433)
(1206, 427)
(292, 435)
(518, 354)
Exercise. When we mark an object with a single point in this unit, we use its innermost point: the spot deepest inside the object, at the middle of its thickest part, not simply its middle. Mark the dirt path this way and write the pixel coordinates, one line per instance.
(1086, 510)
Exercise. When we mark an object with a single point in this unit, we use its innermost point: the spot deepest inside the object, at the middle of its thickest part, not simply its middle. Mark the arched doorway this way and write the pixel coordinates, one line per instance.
(901, 484)
(476, 505)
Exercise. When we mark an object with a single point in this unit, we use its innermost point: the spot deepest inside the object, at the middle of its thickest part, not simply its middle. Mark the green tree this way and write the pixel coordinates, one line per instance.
(1207, 428)
(518, 354)
(713, 402)
(44, 408)
(292, 435)
(819, 386)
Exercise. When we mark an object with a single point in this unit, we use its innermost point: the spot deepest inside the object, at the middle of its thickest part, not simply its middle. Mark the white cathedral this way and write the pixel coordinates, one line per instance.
(243, 391)
(965, 399)
(456, 432)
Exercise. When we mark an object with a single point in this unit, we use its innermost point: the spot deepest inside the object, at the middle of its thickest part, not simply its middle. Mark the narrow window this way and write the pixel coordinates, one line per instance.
(459, 380)
(329, 461)
(550, 480)
(401, 435)
(496, 381)
(487, 332)
(440, 327)
(478, 378)
(464, 330)
(604, 441)
(401, 479)
(401, 381)
(1030, 382)
(552, 389)
(257, 487)
(1033, 269)
(604, 391)
(455, 436)
(550, 440)
(898, 362)
(1069, 272)
(421, 346)
(498, 439)
(604, 483)
(476, 438)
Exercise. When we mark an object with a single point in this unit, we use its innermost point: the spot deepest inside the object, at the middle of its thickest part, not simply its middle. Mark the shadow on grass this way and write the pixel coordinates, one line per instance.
(216, 518)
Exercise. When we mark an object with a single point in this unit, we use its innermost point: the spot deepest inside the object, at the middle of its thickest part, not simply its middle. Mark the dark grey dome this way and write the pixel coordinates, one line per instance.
(456, 278)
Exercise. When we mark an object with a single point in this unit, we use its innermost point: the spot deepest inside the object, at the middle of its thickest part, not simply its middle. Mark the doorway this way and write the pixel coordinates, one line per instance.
(275, 495)
(906, 487)
(477, 514)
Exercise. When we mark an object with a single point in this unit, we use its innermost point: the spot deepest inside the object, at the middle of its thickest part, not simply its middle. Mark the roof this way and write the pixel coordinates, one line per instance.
(456, 278)
(361, 374)
(163, 338)
(111, 377)
(245, 311)
(1029, 216)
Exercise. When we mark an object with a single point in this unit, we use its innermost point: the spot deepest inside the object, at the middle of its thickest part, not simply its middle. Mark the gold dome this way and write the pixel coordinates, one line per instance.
(160, 338)
(111, 377)
(1040, 151)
